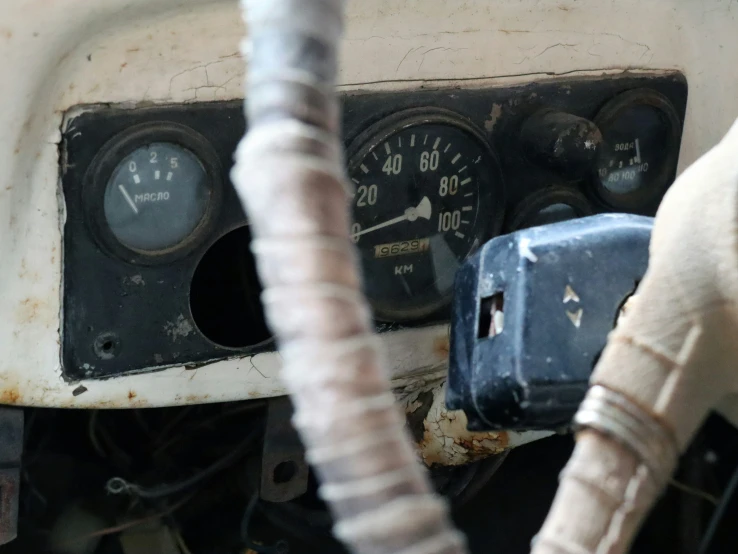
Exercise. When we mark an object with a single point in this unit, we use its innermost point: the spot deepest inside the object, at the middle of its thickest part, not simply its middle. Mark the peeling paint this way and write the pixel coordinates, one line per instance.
(441, 435)
(135, 279)
(179, 328)
(446, 440)
(494, 115)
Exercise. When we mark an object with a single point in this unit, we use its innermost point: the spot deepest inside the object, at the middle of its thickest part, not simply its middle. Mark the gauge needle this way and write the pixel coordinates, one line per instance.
(128, 198)
(411, 214)
(638, 152)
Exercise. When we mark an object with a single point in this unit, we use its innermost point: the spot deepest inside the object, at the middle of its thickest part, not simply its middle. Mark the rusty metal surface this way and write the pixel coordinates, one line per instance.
(11, 448)
(284, 471)
(441, 434)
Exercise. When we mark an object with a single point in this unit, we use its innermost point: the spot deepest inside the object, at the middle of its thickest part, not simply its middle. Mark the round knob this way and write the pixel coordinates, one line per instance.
(561, 141)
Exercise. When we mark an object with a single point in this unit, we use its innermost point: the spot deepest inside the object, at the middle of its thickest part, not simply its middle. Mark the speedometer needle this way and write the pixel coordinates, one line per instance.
(423, 209)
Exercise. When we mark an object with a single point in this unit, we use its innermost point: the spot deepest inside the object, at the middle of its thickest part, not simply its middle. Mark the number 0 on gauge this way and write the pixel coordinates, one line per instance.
(427, 192)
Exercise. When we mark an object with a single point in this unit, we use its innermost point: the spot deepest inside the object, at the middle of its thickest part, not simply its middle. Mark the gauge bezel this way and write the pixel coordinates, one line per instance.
(491, 194)
(557, 194)
(113, 152)
(644, 200)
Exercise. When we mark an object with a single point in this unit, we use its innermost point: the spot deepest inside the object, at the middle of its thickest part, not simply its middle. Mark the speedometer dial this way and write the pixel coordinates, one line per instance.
(428, 191)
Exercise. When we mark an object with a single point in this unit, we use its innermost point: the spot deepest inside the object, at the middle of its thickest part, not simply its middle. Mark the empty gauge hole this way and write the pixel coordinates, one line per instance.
(225, 291)
(553, 205)
(491, 316)
(554, 213)
(284, 472)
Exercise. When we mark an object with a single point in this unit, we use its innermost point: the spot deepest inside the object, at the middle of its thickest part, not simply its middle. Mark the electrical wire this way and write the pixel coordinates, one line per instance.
(181, 542)
(92, 424)
(485, 470)
(249, 406)
(280, 547)
(118, 485)
(298, 521)
(694, 492)
(130, 524)
(719, 513)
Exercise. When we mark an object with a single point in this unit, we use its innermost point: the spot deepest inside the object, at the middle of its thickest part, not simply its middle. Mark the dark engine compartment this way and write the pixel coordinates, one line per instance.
(70, 455)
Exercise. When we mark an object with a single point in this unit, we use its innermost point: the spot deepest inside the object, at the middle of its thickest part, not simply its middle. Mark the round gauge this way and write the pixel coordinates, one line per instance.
(156, 197)
(155, 188)
(428, 191)
(637, 158)
(549, 206)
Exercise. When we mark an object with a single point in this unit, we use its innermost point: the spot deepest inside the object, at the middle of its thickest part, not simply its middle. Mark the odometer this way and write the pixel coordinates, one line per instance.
(428, 191)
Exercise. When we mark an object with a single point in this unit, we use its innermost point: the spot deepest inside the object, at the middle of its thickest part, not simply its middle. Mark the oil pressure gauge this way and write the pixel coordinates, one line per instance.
(154, 191)
(428, 191)
(638, 155)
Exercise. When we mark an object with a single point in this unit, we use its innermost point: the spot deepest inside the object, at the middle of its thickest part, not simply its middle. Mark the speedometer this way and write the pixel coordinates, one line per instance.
(428, 191)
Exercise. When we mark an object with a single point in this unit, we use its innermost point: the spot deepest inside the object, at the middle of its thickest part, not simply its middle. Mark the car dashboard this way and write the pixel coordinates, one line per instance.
(106, 313)
(129, 278)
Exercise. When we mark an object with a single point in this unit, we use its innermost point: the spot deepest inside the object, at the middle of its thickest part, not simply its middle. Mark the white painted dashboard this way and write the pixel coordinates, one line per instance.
(59, 55)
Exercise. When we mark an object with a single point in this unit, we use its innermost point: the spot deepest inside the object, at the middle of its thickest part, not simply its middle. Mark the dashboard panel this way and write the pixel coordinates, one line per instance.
(157, 267)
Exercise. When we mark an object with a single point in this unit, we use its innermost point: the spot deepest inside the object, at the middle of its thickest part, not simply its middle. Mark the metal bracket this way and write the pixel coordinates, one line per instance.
(284, 471)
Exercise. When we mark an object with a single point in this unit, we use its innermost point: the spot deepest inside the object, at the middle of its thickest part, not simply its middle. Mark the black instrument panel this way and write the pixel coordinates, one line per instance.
(157, 268)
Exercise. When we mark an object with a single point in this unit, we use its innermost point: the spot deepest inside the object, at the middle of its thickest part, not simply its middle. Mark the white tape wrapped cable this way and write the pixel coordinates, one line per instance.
(290, 177)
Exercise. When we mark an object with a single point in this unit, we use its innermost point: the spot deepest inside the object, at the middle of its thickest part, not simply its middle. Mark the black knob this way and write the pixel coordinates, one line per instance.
(561, 141)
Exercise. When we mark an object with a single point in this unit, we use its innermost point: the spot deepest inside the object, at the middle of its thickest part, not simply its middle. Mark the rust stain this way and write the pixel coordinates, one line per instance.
(123, 65)
(7, 33)
(481, 447)
(441, 347)
(195, 399)
(28, 310)
(25, 274)
(459, 450)
(133, 50)
(443, 437)
(9, 395)
(131, 395)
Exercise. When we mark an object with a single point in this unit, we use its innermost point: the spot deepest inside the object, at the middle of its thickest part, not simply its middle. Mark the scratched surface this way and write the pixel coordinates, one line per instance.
(57, 54)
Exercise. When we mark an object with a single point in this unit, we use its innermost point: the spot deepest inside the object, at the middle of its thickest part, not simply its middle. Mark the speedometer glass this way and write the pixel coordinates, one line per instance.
(427, 192)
